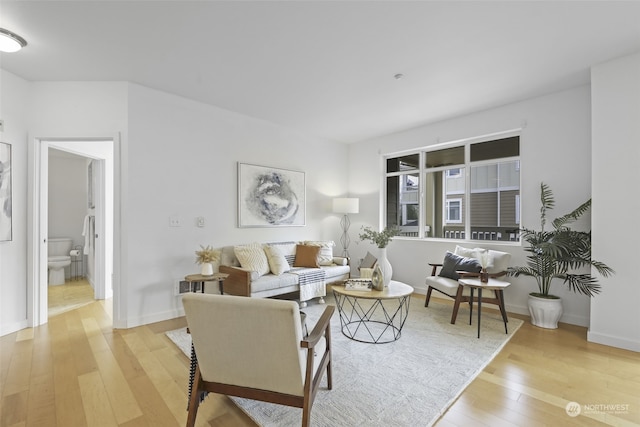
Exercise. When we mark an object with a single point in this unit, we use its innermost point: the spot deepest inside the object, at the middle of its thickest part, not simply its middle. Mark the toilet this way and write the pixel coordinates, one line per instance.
(58, 258)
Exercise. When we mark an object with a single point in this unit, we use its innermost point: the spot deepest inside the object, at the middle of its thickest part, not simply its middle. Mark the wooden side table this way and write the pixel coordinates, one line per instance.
(194, 279)
(493, 285)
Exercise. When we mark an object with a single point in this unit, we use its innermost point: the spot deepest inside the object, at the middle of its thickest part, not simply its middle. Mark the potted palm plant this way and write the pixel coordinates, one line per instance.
(560, 253)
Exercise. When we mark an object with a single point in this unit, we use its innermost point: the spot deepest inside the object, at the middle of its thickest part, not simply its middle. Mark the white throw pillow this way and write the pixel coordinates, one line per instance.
(325, 256)
(499, 261)
(277, 262)
(252, 257)
(468, 252)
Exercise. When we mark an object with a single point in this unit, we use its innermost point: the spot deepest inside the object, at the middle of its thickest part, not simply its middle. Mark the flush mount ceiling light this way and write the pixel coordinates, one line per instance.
(10, 42)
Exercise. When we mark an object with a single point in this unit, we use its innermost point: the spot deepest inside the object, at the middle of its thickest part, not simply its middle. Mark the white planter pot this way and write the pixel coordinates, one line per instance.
(545, 312)
(206, 269)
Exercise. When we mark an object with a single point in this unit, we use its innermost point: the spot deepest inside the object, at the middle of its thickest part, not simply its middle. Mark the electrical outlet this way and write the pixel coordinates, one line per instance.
(200, 221)
(174, 221)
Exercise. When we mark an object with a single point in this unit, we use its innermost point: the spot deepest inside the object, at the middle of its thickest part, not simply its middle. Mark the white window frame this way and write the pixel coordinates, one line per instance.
(447, 211)
(423, 171)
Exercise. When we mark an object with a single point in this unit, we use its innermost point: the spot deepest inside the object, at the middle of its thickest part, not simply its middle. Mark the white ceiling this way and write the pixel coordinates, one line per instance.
(326, 68)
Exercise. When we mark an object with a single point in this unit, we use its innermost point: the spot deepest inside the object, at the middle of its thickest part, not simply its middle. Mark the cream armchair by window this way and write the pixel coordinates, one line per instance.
(446, 282)
(255, 348)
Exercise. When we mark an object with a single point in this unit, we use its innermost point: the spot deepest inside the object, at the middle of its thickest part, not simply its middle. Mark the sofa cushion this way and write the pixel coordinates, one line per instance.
(277, 262)
(325, 256)
(252, 257)
(335, 272)
(340, 260)
(453, 263)
(271, 281)
(306, 256)
(446, 286)
(228, 257)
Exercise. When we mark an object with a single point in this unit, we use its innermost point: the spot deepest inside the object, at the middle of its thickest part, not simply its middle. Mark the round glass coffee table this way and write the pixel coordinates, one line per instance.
(374, 317)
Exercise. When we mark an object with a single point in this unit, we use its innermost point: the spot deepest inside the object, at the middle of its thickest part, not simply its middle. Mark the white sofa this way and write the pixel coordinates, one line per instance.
(289, 269)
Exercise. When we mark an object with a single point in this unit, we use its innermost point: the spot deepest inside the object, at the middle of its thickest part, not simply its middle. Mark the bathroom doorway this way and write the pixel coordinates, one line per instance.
(71, 218)
(99, 155)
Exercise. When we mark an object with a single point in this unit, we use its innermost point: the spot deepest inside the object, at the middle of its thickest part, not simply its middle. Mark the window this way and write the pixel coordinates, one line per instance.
(454, 210)
(452, 173)
(469, 189)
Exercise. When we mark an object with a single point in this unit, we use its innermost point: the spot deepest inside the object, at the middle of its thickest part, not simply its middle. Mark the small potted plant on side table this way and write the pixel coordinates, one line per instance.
(205, 257)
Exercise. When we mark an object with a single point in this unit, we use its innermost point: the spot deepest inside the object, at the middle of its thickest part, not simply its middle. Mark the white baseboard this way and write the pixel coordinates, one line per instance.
(10, 328)
(155, 317)
(613, 341)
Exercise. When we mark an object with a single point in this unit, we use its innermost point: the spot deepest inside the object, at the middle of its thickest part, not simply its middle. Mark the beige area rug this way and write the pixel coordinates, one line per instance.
(409, 382)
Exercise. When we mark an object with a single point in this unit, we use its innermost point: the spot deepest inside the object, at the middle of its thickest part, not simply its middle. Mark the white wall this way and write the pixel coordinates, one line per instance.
(177, 157)
(182, 160)
(15, 101)
(555, 148)
(67, 196)
(615, 318)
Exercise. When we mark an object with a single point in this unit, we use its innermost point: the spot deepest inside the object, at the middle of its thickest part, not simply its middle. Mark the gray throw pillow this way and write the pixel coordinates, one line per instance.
(453, 263)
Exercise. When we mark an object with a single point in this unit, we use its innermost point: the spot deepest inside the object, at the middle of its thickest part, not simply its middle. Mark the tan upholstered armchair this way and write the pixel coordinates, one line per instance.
(444, 276)
(255, 348)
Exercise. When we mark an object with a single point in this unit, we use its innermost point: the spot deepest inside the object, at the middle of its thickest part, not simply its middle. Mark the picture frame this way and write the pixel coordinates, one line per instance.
(270, 197)
(6, 195)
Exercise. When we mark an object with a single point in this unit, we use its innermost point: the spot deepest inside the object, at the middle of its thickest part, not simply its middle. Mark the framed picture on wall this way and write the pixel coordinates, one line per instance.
(6, 228)
(270, 197)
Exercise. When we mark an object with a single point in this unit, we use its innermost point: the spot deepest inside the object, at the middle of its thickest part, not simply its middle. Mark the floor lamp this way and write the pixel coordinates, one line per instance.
(345, 206)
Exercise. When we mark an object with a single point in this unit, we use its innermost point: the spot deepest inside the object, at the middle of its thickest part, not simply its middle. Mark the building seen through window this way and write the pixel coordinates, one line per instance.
(468, 191)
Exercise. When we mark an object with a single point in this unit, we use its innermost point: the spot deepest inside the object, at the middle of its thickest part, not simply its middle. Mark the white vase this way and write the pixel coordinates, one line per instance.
(385, 266)
(206, 269)
(545, 312)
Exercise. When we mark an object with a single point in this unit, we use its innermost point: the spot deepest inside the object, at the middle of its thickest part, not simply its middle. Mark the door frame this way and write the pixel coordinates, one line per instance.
(37, 291)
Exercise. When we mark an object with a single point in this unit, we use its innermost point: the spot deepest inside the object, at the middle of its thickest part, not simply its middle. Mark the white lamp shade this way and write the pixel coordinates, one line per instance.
(346, 205)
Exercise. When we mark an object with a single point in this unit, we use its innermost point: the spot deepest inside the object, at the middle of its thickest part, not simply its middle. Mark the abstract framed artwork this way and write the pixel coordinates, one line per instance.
(270, 197)
(6, 233)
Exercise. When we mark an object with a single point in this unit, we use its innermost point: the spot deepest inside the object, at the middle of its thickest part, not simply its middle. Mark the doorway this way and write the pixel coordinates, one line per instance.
(101, 154)
(71, 214)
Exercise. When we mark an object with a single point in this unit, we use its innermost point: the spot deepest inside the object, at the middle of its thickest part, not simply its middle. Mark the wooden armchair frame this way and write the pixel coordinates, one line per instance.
(311, 380)
(458, 297)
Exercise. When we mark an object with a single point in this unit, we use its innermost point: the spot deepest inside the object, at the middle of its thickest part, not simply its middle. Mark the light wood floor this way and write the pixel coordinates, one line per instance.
(73, 294)
(78, 371)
